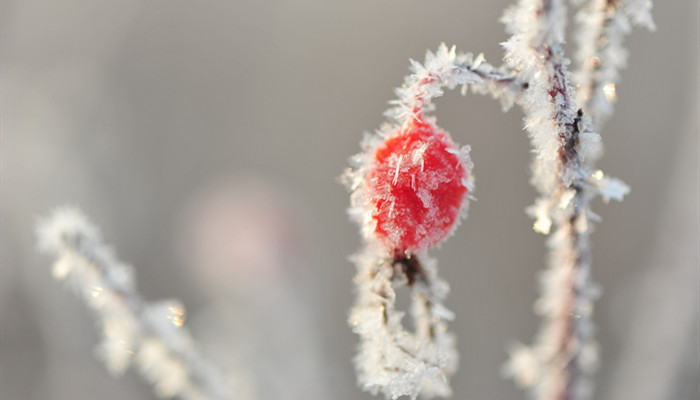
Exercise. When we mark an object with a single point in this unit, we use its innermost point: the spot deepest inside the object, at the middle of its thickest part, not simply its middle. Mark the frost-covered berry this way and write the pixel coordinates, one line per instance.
(416, 187)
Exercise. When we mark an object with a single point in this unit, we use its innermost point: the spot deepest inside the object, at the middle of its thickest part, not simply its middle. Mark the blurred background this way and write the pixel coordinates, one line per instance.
(205, 138)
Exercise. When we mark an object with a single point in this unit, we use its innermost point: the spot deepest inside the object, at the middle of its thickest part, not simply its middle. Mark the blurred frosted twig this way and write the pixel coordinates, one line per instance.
(149, 336)
(601, 28)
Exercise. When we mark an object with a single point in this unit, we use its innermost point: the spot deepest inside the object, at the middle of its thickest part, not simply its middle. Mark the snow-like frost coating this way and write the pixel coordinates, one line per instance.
(392, 360)
(149, 336)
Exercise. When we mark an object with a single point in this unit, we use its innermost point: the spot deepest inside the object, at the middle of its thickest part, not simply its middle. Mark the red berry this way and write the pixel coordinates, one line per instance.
(416, 187)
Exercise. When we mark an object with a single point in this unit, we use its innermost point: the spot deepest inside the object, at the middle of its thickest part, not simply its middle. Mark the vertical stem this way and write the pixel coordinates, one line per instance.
(568, 155)
(558, 365)
(568, 336)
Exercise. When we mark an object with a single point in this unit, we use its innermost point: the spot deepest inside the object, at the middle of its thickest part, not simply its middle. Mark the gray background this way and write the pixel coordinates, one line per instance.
(131, 109)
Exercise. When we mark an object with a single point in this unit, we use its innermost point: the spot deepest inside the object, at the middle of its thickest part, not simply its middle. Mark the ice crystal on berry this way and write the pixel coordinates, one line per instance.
(416, 186)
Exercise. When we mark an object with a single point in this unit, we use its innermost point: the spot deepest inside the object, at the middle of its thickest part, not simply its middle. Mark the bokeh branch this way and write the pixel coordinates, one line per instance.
(147, 335)
(601, 28)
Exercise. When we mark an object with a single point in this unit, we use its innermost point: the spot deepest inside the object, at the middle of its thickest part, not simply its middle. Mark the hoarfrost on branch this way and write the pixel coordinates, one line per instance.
(147, 335)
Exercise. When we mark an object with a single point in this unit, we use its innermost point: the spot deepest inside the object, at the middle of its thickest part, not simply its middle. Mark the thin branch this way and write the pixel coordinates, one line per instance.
(447, 69)
(150, 336)
(391, 359)
(602, 27)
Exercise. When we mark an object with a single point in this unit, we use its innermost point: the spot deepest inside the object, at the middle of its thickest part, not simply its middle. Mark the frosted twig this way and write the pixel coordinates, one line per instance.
(447, 69)
(501, 83)
(150, 336)
(558, 366)
(390, 358)
(602, 26)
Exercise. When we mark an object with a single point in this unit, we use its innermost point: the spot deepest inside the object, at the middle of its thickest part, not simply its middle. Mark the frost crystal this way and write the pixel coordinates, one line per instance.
(149, 335)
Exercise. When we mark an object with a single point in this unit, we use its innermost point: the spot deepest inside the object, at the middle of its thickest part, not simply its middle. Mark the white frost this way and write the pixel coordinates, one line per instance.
(392, 360)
